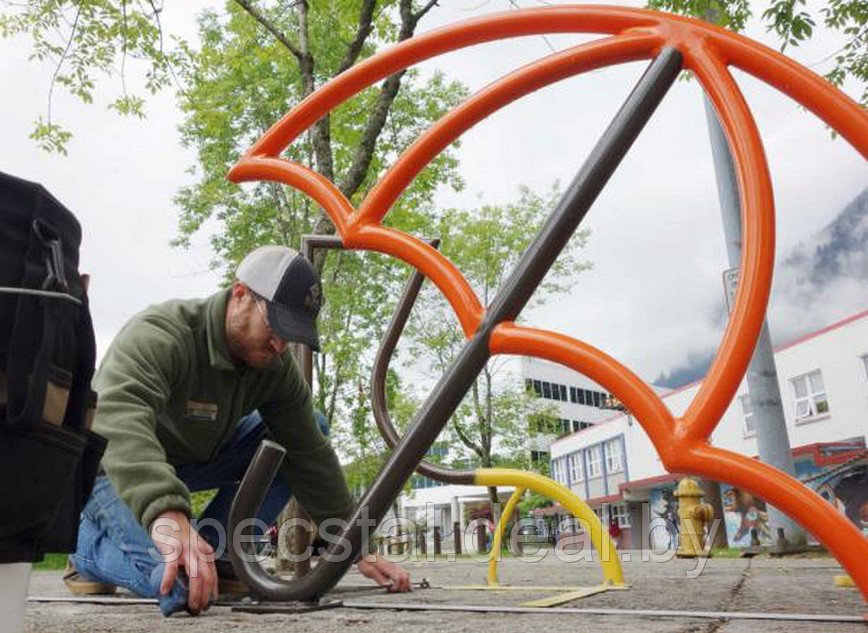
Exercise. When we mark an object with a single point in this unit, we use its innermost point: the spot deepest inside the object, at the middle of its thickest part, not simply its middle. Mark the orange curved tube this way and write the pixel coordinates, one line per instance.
(707, 50)
(758, 248)
(510, 338)
(555, 67)
(426, 258)
(786, 493)
(323, 192)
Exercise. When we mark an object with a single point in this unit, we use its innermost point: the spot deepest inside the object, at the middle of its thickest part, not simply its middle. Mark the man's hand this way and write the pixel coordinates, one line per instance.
(182, 547)
(385, 573)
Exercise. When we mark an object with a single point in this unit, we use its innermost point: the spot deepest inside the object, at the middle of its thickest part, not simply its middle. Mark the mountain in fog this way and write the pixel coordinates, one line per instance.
(819, 281)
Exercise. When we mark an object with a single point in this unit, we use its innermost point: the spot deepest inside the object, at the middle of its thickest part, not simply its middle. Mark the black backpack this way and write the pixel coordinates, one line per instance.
(48, 456)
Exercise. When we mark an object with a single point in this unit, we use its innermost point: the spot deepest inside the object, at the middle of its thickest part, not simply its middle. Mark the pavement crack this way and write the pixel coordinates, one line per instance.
(729, 600)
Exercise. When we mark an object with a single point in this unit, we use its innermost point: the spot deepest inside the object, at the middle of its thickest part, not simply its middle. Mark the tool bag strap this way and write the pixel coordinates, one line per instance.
(26, 383)
(81, 397)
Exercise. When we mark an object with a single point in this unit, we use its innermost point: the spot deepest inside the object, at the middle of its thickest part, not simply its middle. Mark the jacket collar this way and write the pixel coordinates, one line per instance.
(215, 326)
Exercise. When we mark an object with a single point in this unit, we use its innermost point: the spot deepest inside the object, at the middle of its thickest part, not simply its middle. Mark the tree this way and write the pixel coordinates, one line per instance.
(491, 424)
(252, 63)
(793, 24)
(366, 449)
(250, 68)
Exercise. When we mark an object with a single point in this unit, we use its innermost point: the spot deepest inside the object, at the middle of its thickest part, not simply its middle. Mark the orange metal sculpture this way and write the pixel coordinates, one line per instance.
(683, 443)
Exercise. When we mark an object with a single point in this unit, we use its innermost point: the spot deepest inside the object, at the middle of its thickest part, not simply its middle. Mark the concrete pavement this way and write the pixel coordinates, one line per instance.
(765, 585)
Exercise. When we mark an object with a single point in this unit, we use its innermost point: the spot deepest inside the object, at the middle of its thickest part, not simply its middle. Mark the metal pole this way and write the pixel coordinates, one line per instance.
(481, 538)
(772, 440)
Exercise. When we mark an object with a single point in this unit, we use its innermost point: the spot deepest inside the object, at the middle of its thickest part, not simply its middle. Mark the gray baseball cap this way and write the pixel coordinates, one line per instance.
(291, 289)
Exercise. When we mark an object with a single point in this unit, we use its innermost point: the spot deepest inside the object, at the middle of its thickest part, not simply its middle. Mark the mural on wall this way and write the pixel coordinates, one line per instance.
(742, 513)
(846, 487)
(664, 519)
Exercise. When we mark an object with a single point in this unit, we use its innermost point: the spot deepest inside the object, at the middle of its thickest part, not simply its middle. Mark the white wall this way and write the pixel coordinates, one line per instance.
(835, 351)
(537, 369)
(837, 354)
(445, 494)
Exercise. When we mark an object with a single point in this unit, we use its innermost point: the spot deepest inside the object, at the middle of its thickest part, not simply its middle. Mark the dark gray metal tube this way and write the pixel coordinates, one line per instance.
(309, 245)
(251, 493)
(378, 383)
(511, 298)
(586, 186)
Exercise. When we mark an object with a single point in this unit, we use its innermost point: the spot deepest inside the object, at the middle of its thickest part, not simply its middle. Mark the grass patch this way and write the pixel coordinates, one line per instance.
(51, 562)
(726, 552)
(200, 500)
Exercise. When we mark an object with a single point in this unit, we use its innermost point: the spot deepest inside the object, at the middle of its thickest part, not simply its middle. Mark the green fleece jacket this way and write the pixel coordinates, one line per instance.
(170, 395)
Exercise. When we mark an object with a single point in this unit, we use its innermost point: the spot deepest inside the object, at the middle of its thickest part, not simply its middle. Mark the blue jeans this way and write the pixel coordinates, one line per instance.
(114, 548)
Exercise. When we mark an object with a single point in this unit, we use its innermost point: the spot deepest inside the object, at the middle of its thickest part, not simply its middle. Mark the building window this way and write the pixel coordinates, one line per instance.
(559, 471)
(597, 402)
(539, 456)
(810, 395)
(594, 462)
(749, 428)
(618, 511)
(537, 388)
(614, 456)
(575, 464)
(563, 389)
(581, 395)
(579, 425)
(574, 397)
(546, 390)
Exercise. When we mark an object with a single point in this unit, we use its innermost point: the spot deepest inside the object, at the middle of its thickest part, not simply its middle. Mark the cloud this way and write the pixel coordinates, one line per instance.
(820, 280)
(825, 277)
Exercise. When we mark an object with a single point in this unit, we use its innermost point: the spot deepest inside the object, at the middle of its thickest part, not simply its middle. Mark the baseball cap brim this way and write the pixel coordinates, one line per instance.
(296, 326)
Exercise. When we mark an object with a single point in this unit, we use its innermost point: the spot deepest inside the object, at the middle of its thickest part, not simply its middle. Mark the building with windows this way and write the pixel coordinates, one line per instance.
(579, 402)
(824, 389)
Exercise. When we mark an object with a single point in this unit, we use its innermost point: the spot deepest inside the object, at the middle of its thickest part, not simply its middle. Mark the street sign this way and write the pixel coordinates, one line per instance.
(730, 287)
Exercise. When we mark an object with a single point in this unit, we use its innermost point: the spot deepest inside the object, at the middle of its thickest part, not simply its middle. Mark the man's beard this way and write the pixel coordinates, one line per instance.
(256, 357)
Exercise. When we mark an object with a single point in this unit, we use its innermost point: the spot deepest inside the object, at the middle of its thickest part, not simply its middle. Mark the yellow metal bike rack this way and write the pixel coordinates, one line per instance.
(613, 574)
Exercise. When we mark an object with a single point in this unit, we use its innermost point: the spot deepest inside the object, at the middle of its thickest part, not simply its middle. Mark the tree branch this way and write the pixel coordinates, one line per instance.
(321, 137)
(421, 12)
(269, 26)
(465, 439)
(377, 119)
(61, 60)
(365, 26)
(163, 59)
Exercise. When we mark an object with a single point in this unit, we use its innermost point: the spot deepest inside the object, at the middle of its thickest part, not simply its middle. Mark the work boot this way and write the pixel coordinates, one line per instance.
(81, 586)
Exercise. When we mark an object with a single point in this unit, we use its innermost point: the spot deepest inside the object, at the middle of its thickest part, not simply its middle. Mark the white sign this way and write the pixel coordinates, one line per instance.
(730, 287)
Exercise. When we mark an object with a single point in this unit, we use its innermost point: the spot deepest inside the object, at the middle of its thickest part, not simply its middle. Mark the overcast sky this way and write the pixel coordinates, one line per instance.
(655, 292)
